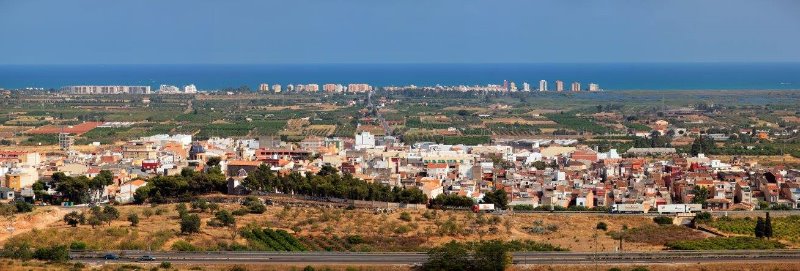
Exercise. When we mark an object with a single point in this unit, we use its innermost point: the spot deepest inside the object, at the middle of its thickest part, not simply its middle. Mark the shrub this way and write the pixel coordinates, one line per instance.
(662, 220)
(23, 207)
(702, 217)
(77, 246)
(405, 216)
(17, 251)
(134, 219)
(165, 265)
(240, 212)
(182, 245)
(602, 226)
(52, 254)
(190, 224)
(727, 243)
(225, 218)
(355, 239)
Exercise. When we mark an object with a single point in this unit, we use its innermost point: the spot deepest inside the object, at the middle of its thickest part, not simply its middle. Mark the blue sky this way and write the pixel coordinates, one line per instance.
(369, 31)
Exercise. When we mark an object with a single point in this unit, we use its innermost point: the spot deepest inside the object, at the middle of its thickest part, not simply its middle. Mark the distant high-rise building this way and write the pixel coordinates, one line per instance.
(264, 87)
(276, 88)
(505, 84)
(107, 89)
(559, 85)
(526, 86)
(594, 87)
(543, 85)
(290, 88)
(513, 87)
(168, 89)
(329, 87)
(190, 88)
(576, 86)
(359, 88)
(312, 88)
(65, 141)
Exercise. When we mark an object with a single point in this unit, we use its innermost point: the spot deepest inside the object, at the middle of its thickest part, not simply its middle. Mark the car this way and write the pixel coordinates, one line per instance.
(111, 256)
(147, 258)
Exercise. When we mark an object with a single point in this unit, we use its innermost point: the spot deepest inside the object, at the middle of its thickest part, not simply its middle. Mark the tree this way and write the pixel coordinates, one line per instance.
(759, 231)
(99, 182)
(768, 227)
(540, 165)
(190, 224)
(700, 195)
(213, 161)
(74, 218)
(491, 255)
(450, 256)
(498, 197)
(134, 219)
(109, 214)
(94, 221)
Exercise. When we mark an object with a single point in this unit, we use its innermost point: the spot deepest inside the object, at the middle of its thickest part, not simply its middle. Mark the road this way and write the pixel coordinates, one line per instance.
(389, 258)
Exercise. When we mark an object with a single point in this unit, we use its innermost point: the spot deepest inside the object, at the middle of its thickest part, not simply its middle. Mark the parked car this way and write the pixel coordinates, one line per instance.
(111, 256)
(147, 258)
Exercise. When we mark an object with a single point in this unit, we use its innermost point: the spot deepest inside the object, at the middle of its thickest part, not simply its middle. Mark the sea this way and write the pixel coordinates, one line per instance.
(610, 76)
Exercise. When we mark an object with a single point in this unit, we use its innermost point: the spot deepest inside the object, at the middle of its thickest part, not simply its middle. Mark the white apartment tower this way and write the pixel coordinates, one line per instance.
(543, 85)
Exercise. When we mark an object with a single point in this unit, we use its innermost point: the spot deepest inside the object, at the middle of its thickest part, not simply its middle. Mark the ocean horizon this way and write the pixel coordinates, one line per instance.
(610, 76)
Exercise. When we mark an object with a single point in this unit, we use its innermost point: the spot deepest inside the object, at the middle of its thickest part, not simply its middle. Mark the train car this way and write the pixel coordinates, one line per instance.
(628, 208)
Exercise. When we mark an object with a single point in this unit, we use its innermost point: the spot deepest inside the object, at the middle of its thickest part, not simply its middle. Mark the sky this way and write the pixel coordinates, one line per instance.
(407, 31)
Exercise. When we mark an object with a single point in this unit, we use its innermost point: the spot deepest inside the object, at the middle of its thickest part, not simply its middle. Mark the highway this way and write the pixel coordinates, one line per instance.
(409, 258)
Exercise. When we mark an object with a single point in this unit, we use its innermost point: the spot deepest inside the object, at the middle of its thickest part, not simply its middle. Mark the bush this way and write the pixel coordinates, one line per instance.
(240, 212)
(23, 207)
(727, 243)
(355, 239)
(165, 265)
(17, 251)
(190, 224)
(662, 220)
(702, 217)
(602, 226)
(52, 254)
(77, 246)
(134, 219)
(405, 216)
(225, 218)
(182, 245)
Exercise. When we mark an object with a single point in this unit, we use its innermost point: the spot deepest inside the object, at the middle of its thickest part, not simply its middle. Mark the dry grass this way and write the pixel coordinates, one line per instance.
(574, 232)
